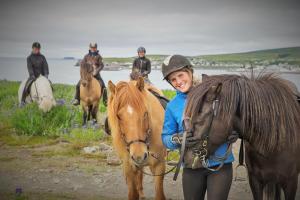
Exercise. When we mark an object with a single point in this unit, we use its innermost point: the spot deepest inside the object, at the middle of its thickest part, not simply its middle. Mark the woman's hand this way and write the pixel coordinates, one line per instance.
(176, 138)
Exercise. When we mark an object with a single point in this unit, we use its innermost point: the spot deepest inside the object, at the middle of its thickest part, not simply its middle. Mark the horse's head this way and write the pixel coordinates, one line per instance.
(46, 103)
(86, 73)
(205, 113)
(129, 119)
(135, 75)
(43, 93)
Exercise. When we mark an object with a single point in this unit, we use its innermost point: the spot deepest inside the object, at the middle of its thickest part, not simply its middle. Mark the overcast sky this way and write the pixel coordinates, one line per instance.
(194, 27)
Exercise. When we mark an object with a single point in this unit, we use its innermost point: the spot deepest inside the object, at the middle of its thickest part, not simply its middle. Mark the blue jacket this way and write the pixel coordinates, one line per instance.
(173, 124)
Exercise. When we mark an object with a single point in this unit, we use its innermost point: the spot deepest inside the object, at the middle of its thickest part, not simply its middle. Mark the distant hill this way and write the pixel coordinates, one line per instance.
(291, 55)
(152, 57)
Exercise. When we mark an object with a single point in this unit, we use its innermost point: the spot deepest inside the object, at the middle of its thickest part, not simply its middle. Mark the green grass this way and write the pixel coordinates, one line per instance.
(81, 138)
(30, 126)
(169, 93)
(13, 139)
(30, 120)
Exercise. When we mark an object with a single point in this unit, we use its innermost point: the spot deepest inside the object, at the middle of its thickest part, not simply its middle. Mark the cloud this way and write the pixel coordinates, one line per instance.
(193, 27)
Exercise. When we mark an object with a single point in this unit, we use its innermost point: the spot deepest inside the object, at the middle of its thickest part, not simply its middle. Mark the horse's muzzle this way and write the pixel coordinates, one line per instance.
(141, 159)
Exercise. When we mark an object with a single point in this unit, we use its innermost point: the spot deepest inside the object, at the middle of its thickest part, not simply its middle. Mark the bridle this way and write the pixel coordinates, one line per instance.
(201, 152)
(38, 96)
(146, 141)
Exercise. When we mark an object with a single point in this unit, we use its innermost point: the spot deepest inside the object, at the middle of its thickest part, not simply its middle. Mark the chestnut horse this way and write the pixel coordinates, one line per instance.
(136, 117)
(90, 93)
(265, 112)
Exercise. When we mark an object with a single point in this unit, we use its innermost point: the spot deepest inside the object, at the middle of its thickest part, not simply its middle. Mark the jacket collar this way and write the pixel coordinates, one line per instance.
(181, 94)
(93, 53)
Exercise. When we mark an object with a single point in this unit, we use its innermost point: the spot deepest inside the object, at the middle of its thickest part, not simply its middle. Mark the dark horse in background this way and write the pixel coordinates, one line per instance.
(265, 112)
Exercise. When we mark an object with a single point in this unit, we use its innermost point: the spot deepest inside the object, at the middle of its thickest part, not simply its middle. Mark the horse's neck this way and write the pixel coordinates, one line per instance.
(153, 105)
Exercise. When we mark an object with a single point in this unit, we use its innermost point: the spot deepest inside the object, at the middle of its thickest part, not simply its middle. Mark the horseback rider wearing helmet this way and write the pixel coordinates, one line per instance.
(36, 65)
(142, 64)
(178, 71)
(95, 59)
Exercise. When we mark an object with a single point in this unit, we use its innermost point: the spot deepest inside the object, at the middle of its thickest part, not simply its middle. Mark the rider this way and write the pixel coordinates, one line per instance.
(95, 59)
(142, 64)
(37, 65)
(178, 71)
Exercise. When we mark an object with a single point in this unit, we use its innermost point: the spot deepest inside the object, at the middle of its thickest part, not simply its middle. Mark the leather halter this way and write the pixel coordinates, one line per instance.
(145, 141)
(202, 152)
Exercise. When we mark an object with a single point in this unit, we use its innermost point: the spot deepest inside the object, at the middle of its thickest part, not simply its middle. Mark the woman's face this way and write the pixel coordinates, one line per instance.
(141, 54)
(181, 80)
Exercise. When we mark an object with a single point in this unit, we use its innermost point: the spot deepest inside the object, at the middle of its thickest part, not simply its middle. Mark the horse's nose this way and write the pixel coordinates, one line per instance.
(140, 159)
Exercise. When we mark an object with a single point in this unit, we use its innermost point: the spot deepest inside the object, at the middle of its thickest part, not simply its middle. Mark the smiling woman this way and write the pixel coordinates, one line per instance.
(196, 181)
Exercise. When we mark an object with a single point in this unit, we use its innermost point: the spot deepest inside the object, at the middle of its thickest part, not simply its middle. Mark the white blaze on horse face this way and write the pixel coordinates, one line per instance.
(130, 110)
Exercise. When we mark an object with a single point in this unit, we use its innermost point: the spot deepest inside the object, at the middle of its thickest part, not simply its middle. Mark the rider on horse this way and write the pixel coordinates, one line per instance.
(37, 65)
(142, 64)
(95, 59)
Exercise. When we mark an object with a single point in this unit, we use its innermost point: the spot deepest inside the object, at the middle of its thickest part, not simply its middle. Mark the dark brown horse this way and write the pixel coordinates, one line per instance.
(265, 111)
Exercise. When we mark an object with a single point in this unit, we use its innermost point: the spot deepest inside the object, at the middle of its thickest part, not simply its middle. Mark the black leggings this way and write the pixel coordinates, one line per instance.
(197, 181)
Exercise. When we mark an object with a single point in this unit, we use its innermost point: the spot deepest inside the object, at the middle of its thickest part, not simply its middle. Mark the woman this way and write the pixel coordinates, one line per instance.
(142, 64)
(177, 70)
(95, 59)
(37, 65)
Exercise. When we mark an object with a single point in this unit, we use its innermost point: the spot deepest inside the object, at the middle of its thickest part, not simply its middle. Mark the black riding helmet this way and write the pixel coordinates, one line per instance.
(174, 63)
(36, 45)
(141, 49)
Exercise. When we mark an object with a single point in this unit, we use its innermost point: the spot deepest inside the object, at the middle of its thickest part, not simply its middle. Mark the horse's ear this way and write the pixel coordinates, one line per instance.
(204, 77)
(214, 91)
(140, 83)
(111, 87)
(218, 88)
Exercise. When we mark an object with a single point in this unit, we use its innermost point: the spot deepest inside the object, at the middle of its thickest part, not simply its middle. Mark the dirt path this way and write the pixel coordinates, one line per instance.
(42, 175)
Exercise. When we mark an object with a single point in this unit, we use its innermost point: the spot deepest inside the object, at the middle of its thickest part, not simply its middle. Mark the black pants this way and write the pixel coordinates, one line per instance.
(26, 89)
(197, 181)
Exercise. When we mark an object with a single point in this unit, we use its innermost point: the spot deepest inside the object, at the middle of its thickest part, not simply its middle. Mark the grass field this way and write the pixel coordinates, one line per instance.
(30, 126)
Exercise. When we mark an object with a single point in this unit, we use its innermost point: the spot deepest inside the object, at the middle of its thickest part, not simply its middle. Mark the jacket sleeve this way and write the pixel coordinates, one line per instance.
(84, 59)
(30, 67)
(45, 67)
(101, 65)
(148, 67)
(134, 66)
(169, 128)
